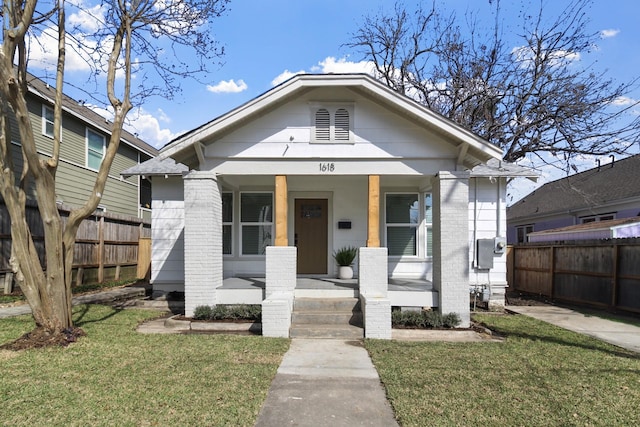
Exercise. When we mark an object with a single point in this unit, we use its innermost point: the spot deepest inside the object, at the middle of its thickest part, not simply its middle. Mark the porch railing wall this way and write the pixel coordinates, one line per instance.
(597, 273)
(107, 247)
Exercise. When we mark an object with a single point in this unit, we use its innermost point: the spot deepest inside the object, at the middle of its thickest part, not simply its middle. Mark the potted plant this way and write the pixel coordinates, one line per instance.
(344, 257)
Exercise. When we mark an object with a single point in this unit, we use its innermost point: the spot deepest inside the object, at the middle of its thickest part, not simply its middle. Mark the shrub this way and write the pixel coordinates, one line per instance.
(249, 312)
(424, 319)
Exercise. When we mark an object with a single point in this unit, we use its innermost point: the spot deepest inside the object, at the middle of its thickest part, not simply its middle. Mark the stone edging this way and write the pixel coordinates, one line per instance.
(187, 325)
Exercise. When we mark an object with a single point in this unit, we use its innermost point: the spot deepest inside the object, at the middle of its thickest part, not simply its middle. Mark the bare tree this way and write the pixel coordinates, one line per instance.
(154, 32)
(527, 92)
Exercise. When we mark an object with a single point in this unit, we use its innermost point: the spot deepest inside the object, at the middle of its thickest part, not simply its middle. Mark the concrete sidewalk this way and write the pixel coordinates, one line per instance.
(616, 333)
(323, 382)
(105, 297)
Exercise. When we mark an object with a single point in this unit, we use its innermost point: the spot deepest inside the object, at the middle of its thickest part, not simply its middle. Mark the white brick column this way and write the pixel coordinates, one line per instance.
(373, 283)
(451, 243)
(280, 285)
(202, 239)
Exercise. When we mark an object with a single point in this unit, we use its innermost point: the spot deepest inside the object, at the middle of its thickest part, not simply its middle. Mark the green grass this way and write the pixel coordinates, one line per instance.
(116, 376)
(540, 375)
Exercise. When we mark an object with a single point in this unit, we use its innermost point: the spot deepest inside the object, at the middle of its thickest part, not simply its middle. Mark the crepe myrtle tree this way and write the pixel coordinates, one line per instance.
(152, 32)
(524, 86)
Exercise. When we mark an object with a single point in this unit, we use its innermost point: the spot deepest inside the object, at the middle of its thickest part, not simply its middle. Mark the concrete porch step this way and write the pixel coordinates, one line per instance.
(337, 318)
(327, 331)
(348, 305)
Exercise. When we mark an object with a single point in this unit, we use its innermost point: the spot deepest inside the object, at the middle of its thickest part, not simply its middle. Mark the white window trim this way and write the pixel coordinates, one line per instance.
(242, 224)
(233, 211)
(526, 233)
(426, 226)
(332, 108)
(417, 226)
(46, 108)
(86, 150)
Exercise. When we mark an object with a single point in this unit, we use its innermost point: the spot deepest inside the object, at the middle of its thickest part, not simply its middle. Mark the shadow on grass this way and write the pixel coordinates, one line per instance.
(600, 346)
(80, 311)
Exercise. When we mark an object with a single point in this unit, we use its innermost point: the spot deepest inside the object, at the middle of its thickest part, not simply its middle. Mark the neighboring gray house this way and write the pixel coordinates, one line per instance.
(85, 135)
(611, 191)
(594, 230)
(250, 207)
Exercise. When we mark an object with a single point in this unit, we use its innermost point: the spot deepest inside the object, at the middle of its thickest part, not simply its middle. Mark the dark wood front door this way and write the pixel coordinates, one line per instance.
(311, 235)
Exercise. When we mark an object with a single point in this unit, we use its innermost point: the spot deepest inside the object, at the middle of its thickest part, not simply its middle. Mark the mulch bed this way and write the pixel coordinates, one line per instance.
(40, 338)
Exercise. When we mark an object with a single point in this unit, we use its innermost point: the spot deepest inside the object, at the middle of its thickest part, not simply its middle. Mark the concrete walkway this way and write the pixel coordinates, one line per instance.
(616, 333)
(323, 382)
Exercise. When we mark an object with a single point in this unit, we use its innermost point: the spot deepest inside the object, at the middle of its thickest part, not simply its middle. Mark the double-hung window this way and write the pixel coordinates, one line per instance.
(402, 219)
(227, 223)
(256, 222)
(47, 121)
(95, 149)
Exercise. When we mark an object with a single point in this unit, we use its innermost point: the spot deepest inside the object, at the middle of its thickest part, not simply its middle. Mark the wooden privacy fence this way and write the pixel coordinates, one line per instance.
(601, 273)
(108, 246)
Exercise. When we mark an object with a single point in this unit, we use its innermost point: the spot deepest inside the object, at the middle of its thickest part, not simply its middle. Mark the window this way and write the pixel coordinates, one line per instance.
(95, 149)
(522, 232)
(256, 222)
(428, 223)
(227, 223)
(47, 121)
(332, 123)
(596, 218)
(402, 218)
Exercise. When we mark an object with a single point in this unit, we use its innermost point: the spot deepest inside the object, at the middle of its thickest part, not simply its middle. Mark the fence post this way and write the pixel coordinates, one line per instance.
(101, 250)
(552, 268)
(8, 282)
(614, 276)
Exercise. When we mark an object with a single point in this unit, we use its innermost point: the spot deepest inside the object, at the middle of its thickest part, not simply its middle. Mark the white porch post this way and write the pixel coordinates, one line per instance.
(451, 243)
(202, 239)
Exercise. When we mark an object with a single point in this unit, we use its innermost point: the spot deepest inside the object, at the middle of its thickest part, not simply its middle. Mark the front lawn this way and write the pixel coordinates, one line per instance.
(540, 376)
(116, 376)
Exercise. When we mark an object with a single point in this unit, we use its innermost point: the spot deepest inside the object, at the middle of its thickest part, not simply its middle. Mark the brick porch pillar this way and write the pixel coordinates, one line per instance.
(202, 239)
(451, 243)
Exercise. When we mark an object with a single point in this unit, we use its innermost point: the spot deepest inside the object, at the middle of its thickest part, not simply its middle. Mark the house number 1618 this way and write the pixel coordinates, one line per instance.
(327, 167)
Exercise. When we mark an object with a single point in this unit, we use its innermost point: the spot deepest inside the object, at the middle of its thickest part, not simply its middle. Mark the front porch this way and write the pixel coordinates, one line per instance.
(401, 292)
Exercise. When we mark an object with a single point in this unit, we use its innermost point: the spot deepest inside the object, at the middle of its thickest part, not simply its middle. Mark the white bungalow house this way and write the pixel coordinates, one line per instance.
(250, 207)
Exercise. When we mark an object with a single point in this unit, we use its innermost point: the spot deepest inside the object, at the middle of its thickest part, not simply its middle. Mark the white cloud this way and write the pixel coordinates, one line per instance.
(228, 86)
(285, 75)
(144, 125)
(623, 101)
(88, 19)
(605, 34)
(329, 65)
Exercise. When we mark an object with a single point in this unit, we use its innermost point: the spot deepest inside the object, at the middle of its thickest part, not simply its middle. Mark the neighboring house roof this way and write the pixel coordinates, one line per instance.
(156, 166)
(614, 182)
(473, 150)
(46, 92)
(626, 227)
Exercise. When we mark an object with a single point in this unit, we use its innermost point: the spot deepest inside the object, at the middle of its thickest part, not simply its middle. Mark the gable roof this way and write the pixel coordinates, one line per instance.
(618, 181)
(46, 92)
(477, 150)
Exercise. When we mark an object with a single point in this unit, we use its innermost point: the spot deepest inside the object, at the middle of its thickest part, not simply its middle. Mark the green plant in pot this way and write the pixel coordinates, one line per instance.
(345, 257)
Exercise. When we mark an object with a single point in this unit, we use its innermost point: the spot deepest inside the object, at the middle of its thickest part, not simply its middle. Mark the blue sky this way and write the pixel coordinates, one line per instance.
(267, 41)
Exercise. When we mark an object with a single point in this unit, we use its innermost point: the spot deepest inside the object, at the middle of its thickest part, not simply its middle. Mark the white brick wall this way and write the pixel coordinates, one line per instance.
(276, 315)
(377, 317)
(281, 266)
(202, 239)
(451, 243)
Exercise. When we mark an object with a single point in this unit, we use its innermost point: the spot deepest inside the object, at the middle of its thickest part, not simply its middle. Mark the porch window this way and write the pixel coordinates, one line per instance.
(428, 223)
(227, 223)
(402, 218)
(256, 222)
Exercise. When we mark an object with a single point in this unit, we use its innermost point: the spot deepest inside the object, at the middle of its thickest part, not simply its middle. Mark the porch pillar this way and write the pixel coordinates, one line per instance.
(281, 211)
(373, 216)
(202, 239)
(451, 243)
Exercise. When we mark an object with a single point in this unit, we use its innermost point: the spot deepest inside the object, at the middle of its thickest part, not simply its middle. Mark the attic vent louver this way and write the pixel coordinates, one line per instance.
(342, 125)
(323, 125)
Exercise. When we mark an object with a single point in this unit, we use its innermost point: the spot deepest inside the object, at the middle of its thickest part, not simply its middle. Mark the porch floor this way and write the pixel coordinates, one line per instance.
(329, 283)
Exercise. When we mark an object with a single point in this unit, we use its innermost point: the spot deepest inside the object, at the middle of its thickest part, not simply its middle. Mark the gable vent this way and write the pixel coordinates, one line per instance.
(323, 125)
(342, 125)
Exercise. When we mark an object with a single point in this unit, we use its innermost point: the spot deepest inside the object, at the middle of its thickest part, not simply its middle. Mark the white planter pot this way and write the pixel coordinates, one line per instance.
(345, 272)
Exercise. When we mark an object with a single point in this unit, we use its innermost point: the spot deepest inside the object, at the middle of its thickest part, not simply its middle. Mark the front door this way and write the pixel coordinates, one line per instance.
(311, 235)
